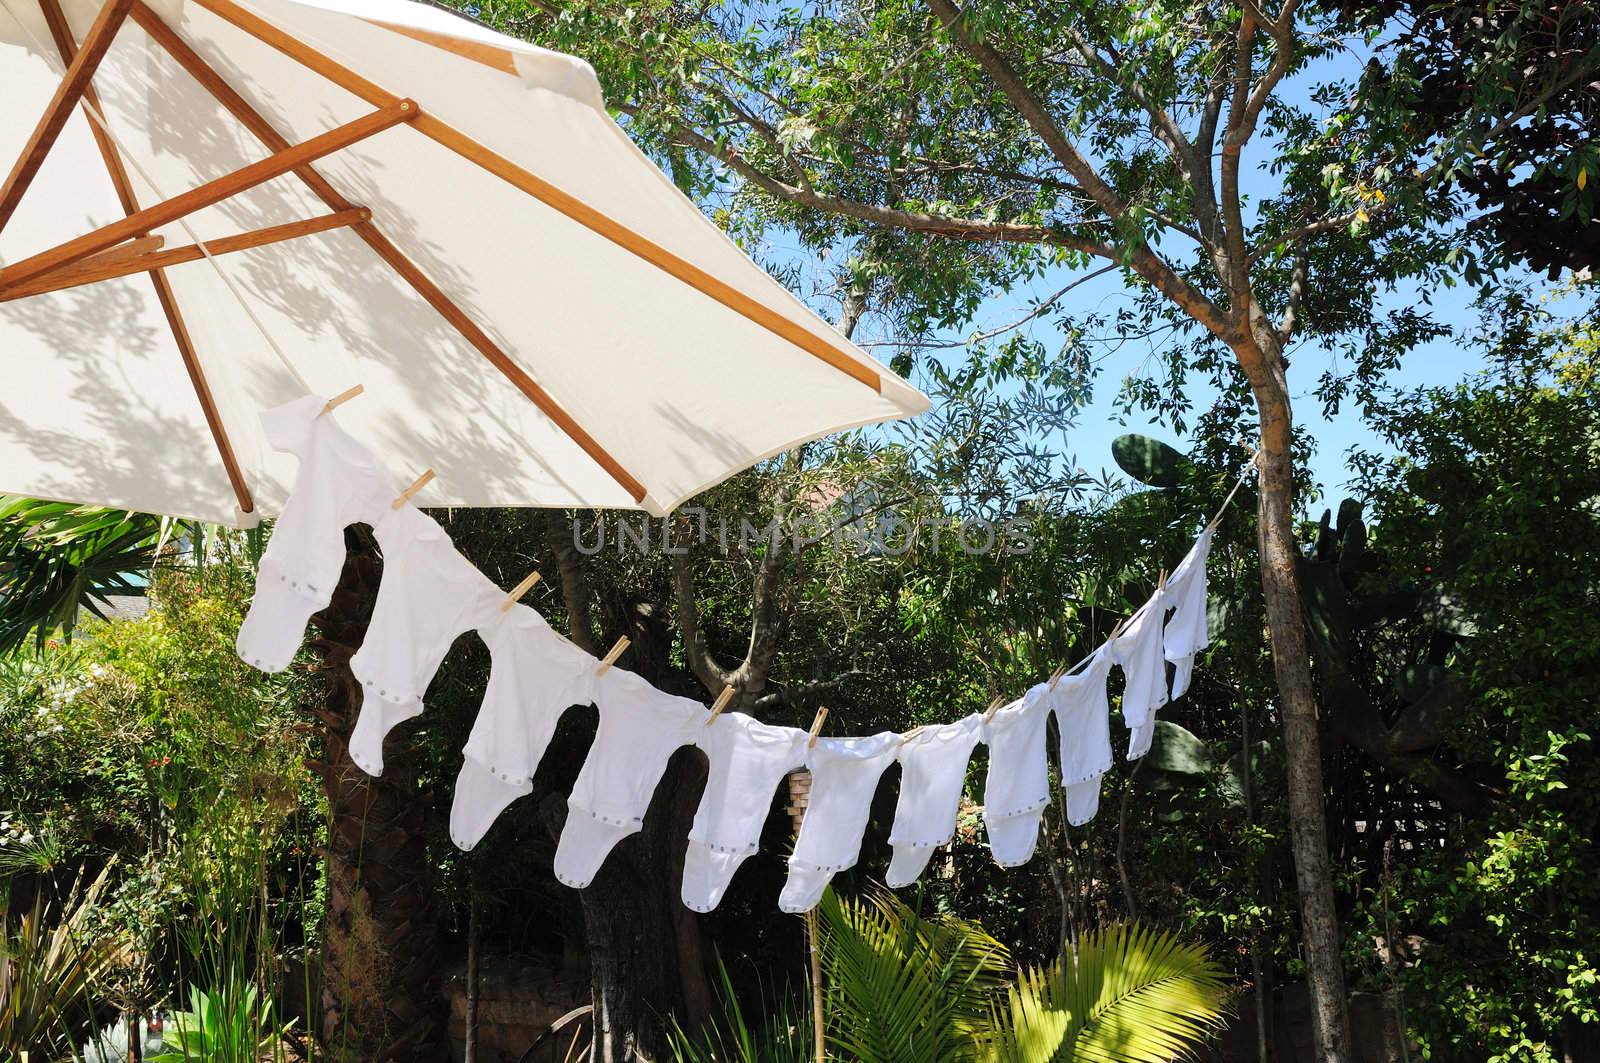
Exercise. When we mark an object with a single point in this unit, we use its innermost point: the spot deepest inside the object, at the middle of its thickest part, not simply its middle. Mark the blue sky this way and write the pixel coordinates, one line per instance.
(1441, 362)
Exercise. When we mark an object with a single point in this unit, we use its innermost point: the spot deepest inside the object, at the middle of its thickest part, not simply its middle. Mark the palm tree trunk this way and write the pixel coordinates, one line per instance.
(381, 998)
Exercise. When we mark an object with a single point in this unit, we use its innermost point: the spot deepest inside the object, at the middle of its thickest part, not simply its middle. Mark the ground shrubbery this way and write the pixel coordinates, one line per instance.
(156, 805)
(144, 753)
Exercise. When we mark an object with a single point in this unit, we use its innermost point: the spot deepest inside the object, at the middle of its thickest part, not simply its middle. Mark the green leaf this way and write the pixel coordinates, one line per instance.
(1178, 750)
(1150, 461)
(1125, 995)
(904, 988)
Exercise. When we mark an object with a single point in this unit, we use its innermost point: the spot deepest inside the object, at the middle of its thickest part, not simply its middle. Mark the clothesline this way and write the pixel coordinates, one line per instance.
(430, 594)
(1216, 519)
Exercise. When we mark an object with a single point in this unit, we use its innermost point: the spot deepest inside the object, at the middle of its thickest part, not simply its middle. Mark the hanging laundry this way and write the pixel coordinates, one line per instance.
(535, 675)
(1138, 652)
(1186, 633)
(1018, 785)
(338, 484)
(748, 761)
(933, 773)
(430, 595)
(640, 729)
(1083, 719)
(844, 776)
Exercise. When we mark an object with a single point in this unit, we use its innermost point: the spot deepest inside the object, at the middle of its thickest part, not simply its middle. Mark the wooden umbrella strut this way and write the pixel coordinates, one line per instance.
(84, 61)
(123, 248)
(263, 130)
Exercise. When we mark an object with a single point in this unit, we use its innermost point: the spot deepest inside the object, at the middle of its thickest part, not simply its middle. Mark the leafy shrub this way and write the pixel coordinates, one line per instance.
(1497, 498)
(229, 1025)
(50, 957)
(149, 742)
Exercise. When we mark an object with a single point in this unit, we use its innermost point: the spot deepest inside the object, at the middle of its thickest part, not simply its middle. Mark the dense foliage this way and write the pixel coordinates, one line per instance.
(142, 752)
(1496, 502)
(928, 163)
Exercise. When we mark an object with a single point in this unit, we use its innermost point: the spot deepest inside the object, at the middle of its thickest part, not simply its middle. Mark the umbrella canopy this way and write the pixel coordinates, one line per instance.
(218, 206)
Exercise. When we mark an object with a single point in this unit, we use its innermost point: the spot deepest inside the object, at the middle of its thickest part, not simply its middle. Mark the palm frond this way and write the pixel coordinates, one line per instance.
(1128, 994)
(904, 988)
(57, 558)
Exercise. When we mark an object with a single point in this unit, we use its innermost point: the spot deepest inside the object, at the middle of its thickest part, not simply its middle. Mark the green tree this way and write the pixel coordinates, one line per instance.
(1460, 70)
(945, 153)
(1494, 504)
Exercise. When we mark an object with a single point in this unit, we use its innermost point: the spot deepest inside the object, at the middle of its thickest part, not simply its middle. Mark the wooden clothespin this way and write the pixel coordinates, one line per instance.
(416, 485)
(343, 397)
(720, 704)
(1055, 676)
(612, 654)
(816, 727)
(1161, 584)
(519, 590)
(909, 735)
(994, 707)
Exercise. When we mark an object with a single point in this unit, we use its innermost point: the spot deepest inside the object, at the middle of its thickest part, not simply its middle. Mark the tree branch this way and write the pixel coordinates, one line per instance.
(967, 229)
(1161, 122)
(575, 591)
(1140, 259)
(1237, 278)
(801, 695)
(981, 337)
(1030, 108)
(712, 676)
(1297, 289)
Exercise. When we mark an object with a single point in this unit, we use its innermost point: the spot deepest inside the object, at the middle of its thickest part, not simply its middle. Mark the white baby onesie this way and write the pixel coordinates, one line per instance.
(933, 772)
(1186, 633)
(338, 483)
(429, 596)
(844, 775)
(748, 760)
(1083, 718)
(1138, 651)
(535, 675)
(1018, 785)
(640, 729)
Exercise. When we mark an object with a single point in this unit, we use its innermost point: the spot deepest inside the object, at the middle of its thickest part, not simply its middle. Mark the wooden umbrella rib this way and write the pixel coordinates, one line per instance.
(82, 273)
(80, 70)
(211, 192)
(138, 247)
(564, 202)
(241, 109)
(490, 350)
(420, 282)
(489, 55)
(70, 54)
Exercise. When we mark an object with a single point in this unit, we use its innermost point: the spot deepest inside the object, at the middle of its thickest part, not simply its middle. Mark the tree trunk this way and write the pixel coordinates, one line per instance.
(380, 995)
(1302, 744)
(636, 976)
(470, 1055)
(1258, 965)
(645, 951)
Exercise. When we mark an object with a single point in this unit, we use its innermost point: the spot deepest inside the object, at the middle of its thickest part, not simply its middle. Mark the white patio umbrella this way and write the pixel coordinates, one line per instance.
(289, 197)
